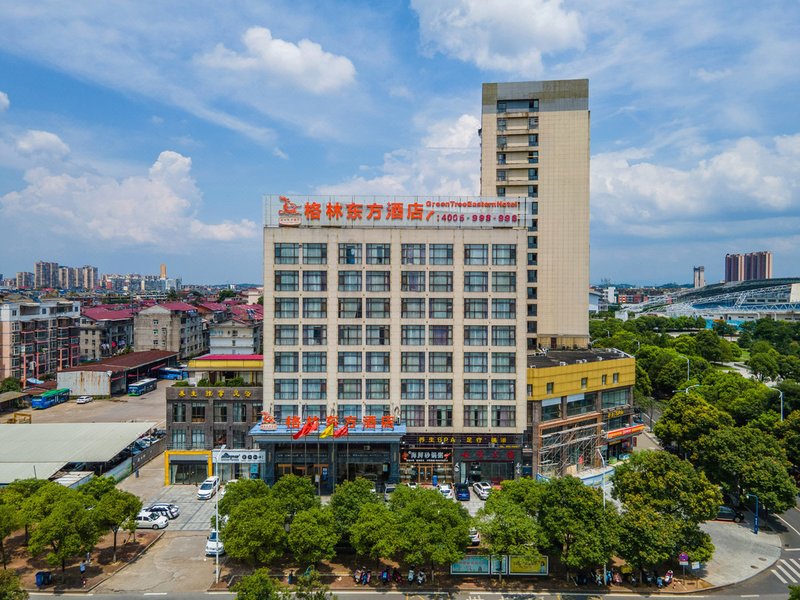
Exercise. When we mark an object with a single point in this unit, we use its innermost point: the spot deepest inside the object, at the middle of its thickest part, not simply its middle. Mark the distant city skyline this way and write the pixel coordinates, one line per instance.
(128, 155)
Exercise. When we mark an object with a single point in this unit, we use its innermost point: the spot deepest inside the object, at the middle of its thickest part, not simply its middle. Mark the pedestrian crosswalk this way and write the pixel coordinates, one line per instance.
(787, 570)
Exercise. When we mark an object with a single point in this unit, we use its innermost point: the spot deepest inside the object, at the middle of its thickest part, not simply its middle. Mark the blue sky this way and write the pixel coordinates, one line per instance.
(135, 133)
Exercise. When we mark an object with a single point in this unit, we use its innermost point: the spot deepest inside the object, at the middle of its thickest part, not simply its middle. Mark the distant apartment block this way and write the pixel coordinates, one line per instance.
(748, 267)
(236, 336)
(105, 332)
(45, 275)
(173, 326)
(37, 338)
(24, 280)
(699, 277)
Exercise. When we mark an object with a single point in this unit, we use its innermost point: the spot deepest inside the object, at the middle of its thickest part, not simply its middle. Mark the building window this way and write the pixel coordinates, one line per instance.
(441, 254)
(440, 281)
(504, 416)
(584, 382)
(315, 281)
(349, 389)
(533, 191)
(533, 157)
(378, 308)
(412, 389)
(350, 308)
(476, 281)
(349, 335)
(551, 409)
(239, 412)
(533, 174)
(286, 308)
(504, 335)
(440, 416)
(349, 281)
(440, 389)
(533, 139)
(504, 281)
(615, 378)
(413, 415)
(378, 254)
(220, 412)
(475, 416)
(285, 335)
(287, 254)
(350, 362)
(377, 335)
(315, 410)
(286, 389)
(502, 175)
(476, 335)
(533, 105)
(476, 254)
(315, 389)
(504, 308)
(179, 412)
(179, 439)
(198, 438)
(349, 254)
(315, 335)
(476, 308)
(198, 412)
(550, 389)
(315, 362)
(504, 254)
(501, 106)
(315, 308)
(580, 404)
(440, 335)
(501, 191)
(286, 362)
(412, 281)
(377, 389)
(286, 281)
(412, 254)
(412, 362)
(604, 379)
(412, 308)
(503, 389)
(378, 281)
(377, 362)
(476, 389)
(315, 254)
(476, 362)
(504, 362)
(282, 411)
(440, 362)
(440, 308)
(501, 158)
(502, 124)
(612, 399)
(412, 335)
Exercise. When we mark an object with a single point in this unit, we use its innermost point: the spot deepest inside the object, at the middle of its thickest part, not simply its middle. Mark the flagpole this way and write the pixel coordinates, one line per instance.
(319, 468)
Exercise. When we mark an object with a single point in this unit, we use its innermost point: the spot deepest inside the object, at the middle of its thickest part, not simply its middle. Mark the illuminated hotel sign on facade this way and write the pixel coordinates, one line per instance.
(394, 211)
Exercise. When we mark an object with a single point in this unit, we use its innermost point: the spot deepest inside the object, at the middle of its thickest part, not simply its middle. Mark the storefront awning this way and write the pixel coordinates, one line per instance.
(358, 434)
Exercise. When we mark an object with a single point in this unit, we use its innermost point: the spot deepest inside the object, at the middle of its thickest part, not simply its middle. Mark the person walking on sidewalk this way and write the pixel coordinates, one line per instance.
(83, 574)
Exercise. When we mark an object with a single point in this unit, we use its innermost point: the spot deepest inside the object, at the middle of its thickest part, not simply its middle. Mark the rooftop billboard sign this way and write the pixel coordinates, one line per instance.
(394, 211)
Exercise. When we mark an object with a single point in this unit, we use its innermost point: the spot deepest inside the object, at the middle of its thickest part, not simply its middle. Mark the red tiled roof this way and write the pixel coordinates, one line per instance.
(244, 311)
(104, 314)
(214, 306)
(94, 367)
(177, 306)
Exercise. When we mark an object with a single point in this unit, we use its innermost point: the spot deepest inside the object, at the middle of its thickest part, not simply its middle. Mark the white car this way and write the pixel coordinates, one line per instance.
(83, 400)
(447, 491)
(151, 520)
(474, 537)
(412, 484)
(387, 492)
(208, 488)
(482, 489)
(214, 545)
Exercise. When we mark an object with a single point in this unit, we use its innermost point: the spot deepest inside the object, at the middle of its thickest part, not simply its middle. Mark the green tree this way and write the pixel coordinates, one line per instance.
(507, 528)
(788, 433)
(310, 587)
(794, 592)
(256, 531)
(241, 490)
(16, 494)
(259, 585)
(576, 524)
(764, 365)
(668, 485)
(686, 418)
(432, 530)
(294, 493)
(647, 537)
(11, 587)
(723, 328)
(10, 521)
(97, 487)
(10, 384)
(347, 501)
(374, 532)
(225, 294)
(117, 510)
(313, 535)
(708, 345)
(643, 388)
(748, 460)
(67, 531)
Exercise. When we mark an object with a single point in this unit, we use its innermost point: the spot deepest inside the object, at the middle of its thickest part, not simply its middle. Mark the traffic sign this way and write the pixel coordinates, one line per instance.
(683, 559)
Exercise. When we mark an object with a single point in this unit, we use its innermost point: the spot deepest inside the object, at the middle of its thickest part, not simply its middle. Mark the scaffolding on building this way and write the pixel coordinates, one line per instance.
(568, 451)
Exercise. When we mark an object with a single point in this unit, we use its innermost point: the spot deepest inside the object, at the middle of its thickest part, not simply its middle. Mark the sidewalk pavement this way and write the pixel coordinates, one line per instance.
(739, 553)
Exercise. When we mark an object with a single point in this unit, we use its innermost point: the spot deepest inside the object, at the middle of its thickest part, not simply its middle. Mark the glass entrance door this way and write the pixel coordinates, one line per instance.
(425, 474)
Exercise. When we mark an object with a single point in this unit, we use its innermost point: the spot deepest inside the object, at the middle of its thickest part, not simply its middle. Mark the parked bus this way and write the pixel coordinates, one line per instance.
(172, 373)
(142, 387)
(51, 398)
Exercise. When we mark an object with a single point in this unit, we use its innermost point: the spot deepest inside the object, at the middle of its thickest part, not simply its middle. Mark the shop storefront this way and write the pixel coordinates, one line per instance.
(186, 466)
(238, 464)
(621, 442)
(367, 449)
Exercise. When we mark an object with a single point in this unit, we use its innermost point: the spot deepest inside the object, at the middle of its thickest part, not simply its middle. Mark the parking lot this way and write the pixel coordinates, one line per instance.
(195, 514)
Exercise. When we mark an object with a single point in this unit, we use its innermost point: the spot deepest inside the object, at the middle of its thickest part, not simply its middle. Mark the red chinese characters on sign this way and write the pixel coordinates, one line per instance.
(394, 211)
(332, 420)
(333, 210)
(354, 211)
(350, 421)
(370, 421)
(313, 211)
(374, 211)
(387, 422)
(293, 422)
(415, 211)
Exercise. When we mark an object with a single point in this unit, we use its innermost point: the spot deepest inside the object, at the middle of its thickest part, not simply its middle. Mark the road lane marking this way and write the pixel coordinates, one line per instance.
(791, 567)
(786, 573)
(787, 524)
(155, 593)
(778, 575)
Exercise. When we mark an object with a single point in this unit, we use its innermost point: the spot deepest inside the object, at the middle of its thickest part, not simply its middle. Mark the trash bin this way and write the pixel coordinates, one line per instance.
(43, 578)
(435, 481)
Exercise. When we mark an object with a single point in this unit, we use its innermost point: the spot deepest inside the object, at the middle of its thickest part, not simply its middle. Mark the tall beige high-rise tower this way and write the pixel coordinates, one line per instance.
(535, 144)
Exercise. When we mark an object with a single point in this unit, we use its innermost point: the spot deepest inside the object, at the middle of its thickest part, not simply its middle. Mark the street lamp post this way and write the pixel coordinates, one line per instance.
(216, 513)
(781, 393)
(686, 390)
(688, 368)
(603, 462)
(755, 520)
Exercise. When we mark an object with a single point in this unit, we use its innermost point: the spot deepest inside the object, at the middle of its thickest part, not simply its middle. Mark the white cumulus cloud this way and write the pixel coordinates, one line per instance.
(502, 35)
(4, 102)
(42, 142)
(157, 209)
(305, 64)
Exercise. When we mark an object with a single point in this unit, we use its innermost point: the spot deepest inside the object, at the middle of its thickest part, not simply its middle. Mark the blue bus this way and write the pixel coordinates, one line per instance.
(51, 398)
(142, 387)
(172, 373)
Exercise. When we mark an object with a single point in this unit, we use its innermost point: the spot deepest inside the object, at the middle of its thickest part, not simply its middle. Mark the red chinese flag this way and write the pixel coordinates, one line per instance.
(343, 431)
(304, 430)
